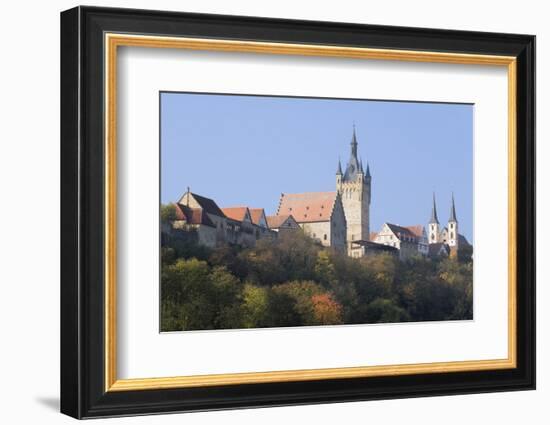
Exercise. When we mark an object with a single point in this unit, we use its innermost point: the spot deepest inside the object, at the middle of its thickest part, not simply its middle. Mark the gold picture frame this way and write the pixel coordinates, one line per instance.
(114, 41)
(91, 40)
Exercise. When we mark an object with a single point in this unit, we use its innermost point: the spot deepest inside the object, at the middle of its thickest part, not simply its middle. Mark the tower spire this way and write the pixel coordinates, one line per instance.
(339, 170)
(433, 218)
(368, 170)
(354, 143)
(453, 210)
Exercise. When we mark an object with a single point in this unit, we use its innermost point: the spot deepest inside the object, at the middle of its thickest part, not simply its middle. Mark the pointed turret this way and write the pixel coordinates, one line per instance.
(354, 166)
(339, 170)
(433, 225)
(354, 144)
(368, 170)
(433, 218)
(453, 225)
(453, 210)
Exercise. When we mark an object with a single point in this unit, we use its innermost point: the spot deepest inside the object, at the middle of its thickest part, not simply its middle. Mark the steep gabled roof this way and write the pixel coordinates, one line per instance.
(192, 215)
(401, 232)
(207, 204)
(435, 249)
(256, 215)
(308, 207)
(462, 240)
(277, 221)
(417, 230)
(237, 213)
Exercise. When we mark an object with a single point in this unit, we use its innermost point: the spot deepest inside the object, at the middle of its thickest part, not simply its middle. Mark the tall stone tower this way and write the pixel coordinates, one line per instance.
(354, 187)
(433, 225)
(453, 225)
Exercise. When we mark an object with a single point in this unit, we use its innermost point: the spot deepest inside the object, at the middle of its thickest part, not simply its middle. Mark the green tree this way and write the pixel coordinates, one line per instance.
(186, 296)
(255, 306)
(382, 310)
(281, 310)
(167, 213)
(301, 292)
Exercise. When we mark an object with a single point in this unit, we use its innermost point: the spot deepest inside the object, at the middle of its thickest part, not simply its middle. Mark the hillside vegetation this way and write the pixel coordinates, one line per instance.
(293, 281)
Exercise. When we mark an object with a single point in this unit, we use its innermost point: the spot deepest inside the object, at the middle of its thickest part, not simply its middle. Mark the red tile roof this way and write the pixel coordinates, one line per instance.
(307, 207)
(192, 215)
(235, 213)
(276, 221)
(207, 204)
(256, 215)
(401, 232)
(417, 229)
(373, 236)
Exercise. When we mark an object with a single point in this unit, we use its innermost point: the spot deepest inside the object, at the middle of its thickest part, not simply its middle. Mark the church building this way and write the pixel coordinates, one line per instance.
(448, 237)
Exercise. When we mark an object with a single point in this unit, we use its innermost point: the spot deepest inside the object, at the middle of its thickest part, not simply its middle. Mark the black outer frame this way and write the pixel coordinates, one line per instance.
(82, 203)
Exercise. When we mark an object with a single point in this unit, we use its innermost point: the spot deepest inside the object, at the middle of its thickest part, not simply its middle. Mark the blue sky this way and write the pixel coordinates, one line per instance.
(247, 150)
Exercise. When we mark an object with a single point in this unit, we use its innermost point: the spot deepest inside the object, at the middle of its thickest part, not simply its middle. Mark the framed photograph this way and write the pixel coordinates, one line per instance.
(261, 212)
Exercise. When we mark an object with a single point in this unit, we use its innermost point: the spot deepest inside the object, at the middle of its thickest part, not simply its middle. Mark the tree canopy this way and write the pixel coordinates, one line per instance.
(294, 281)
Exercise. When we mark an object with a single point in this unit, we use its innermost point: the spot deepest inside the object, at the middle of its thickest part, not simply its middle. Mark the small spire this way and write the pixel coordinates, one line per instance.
(339, 170)
(361, 165)
(433, 219)
(354, 143)
(368, 170)
(453, 210)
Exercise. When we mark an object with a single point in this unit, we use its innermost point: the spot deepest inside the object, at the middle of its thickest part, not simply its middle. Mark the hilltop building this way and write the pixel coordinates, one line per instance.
(449, 235)
(415, 240)
(409, 240)
(338, 219)
(216, 226)
(354, 187)
(282, 223)
(319, 214)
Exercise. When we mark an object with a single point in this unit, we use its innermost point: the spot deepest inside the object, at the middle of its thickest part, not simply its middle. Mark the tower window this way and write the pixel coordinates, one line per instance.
(325, 237)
